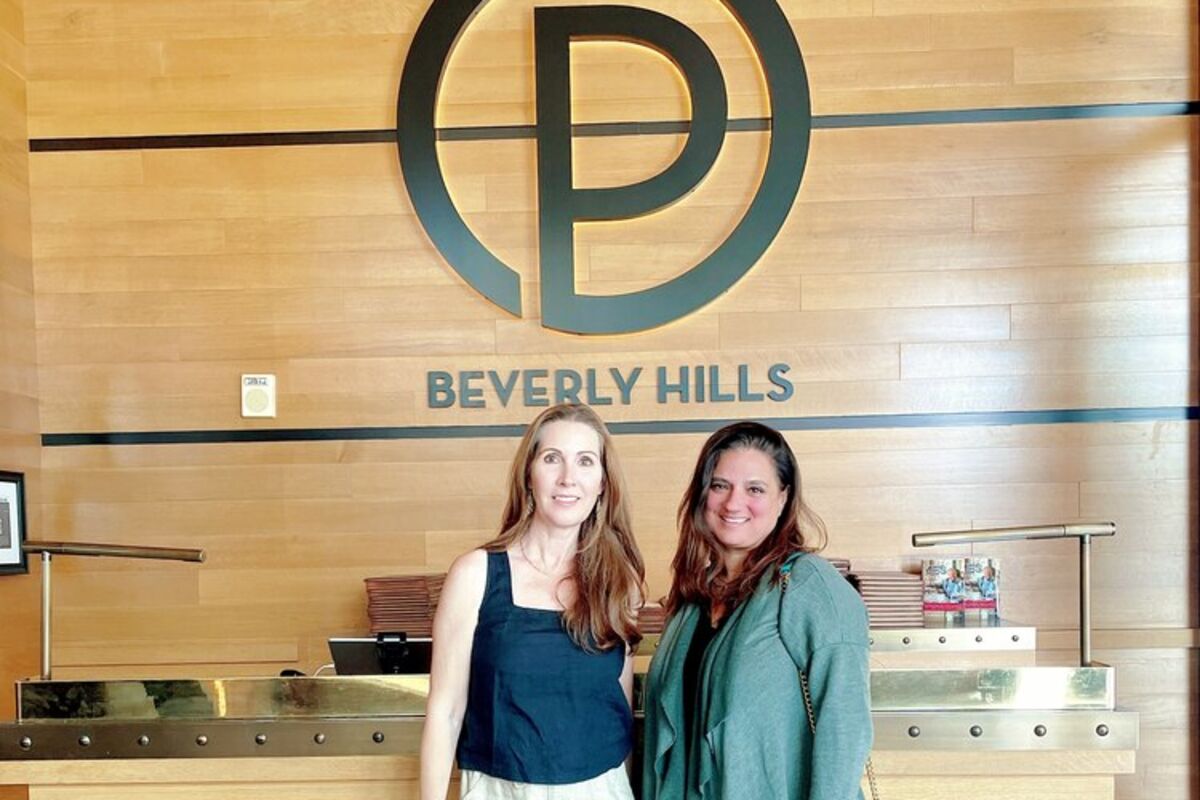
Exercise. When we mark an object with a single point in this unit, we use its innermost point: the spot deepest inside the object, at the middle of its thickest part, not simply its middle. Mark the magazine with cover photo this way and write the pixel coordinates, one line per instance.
(945, 588)
(982, 584)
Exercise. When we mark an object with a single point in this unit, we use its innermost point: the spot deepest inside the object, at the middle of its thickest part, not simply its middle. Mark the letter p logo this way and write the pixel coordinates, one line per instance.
(561, 205)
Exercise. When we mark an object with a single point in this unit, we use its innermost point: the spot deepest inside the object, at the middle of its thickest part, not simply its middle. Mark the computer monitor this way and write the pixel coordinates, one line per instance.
(384, 654)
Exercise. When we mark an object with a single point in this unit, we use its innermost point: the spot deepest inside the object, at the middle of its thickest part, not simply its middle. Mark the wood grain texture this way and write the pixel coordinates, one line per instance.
(102, 69)
(1042, 787)
(214, 770)
(1057, 774)
(340, 512)
(361, 302)
(20, 424)
(1026, 776)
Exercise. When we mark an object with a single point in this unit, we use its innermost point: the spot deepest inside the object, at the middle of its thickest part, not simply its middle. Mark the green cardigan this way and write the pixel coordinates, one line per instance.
(757, 744)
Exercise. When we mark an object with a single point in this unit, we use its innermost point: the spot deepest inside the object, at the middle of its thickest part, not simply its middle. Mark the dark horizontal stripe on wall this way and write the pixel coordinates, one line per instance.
(1027, 114)
(199, 140)
(864, 421)
(501, 132)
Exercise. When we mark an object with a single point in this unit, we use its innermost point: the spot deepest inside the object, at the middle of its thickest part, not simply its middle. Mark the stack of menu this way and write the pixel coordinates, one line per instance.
(403, 603)
(894, 599)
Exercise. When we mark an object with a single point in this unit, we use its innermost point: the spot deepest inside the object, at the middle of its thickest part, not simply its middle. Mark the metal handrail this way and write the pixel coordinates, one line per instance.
(1083, 531)
(51, 549)
(114, 550)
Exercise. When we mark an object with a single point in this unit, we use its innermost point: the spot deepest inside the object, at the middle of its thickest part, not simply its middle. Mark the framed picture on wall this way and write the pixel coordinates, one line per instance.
(12, 523)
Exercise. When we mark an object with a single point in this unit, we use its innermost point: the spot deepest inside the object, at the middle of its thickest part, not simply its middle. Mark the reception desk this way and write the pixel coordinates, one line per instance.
(1009, 729)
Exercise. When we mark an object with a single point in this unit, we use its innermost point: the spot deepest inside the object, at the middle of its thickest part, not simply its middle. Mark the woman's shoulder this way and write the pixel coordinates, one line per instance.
(818, 591)
(811, 572)
(472, 563)
(467, 576)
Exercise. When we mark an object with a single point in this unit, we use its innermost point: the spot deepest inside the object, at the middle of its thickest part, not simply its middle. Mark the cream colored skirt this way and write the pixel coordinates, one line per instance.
(612, 785)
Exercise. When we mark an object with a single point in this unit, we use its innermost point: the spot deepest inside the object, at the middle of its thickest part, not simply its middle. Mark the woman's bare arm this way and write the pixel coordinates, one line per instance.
(453, 635)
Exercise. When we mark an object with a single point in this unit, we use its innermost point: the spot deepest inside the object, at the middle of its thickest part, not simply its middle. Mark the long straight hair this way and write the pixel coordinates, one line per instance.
(609, 574)
(698, 564)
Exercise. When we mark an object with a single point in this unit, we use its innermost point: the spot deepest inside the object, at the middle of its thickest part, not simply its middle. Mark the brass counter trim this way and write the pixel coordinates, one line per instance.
(400, 736)
(1011, 730)
(224, 698)
(996, 689)
(63, 739)
(981, 637)
(1003, 688)
(940, 633)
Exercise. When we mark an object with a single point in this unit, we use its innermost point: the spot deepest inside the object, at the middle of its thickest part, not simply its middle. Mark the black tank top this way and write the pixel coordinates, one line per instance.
(540, 709)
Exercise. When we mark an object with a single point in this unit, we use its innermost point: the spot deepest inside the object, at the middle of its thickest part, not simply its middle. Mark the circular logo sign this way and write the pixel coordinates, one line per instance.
(561, 205)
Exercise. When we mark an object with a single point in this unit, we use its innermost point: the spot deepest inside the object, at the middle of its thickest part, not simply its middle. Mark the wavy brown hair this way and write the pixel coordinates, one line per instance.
(609, 574)
(698, 565)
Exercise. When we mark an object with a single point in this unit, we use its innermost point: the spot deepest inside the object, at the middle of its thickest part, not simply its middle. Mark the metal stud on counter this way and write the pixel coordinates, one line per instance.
(958, 633)
(969, 729)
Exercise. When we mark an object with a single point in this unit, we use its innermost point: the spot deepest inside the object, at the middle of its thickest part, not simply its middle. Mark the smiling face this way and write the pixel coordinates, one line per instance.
(743, 502)
(567, 474)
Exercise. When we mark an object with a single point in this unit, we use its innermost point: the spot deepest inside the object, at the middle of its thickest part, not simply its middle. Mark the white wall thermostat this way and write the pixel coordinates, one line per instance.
(258, 395)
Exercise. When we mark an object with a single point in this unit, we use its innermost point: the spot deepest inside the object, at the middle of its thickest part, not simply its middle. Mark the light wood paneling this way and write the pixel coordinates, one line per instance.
(885, 253)
(1177, 316)
(1126, 356)
(748, 330)
(256, 790)
(1061, 774)
(1128, 209)
(217, 771)
(95, 309)
(1152, 681)
(284, 270)
(998, 286)
(19, 420)
(1042, 787)
(873, 487)
(100, 69)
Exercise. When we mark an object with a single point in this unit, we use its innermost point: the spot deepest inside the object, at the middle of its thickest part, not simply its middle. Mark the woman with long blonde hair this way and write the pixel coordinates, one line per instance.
(532, 671)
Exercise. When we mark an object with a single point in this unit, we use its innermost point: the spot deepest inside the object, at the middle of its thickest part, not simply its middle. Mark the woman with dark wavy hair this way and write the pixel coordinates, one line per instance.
(759, 687)
(534, 633)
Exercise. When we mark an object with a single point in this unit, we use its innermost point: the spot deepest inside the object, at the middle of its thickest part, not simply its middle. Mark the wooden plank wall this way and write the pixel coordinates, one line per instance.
(1006, 266)
(20, 449)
